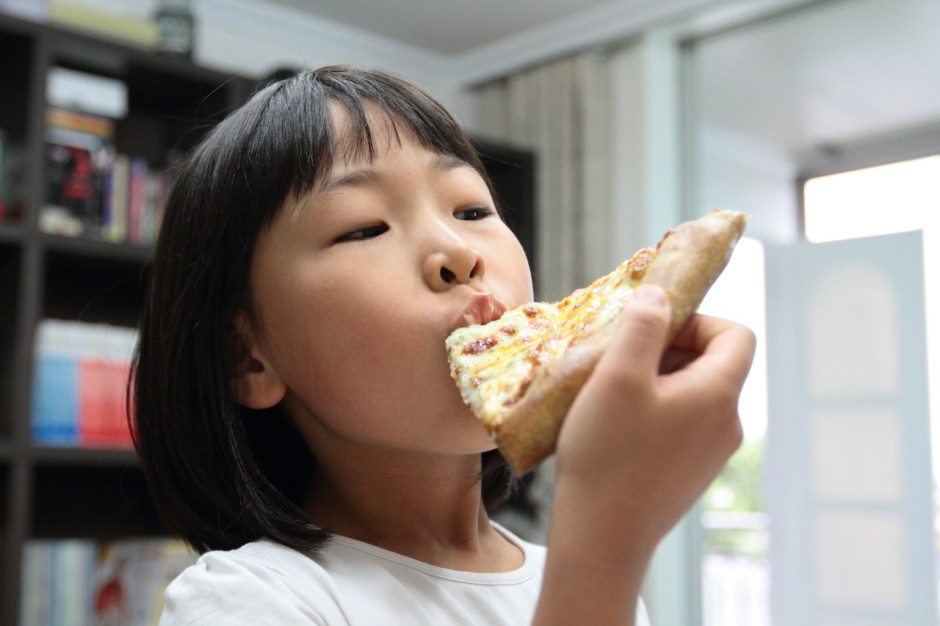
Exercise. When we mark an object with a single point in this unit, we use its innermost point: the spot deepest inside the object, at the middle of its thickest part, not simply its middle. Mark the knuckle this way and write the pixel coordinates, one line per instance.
(647, 320)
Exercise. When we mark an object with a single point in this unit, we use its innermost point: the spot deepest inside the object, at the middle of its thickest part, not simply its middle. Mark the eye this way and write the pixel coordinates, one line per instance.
(473, 213)
(360, 234)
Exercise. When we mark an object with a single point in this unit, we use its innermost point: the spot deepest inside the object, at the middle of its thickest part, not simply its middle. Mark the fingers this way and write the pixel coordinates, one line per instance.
(641, 332)
(723, 347)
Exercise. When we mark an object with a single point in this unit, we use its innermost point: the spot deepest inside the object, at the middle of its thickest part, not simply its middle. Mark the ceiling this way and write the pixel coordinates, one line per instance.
(823, 74)
(448, 27)
(827, 75)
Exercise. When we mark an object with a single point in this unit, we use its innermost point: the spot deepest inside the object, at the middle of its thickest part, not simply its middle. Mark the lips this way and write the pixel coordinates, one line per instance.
(482, 309)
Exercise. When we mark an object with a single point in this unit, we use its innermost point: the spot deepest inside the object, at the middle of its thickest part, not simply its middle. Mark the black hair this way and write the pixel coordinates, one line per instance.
(220, 474)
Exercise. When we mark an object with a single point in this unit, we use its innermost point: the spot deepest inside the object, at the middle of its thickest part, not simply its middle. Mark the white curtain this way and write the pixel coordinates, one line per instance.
(561, 111)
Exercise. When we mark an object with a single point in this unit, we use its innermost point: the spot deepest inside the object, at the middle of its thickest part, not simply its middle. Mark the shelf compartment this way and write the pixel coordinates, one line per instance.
(168, 108)
(10, 265)
(7, 452)
(80, 285)
(94, 248)
(92, 494)
(16, 52)
(10, 233)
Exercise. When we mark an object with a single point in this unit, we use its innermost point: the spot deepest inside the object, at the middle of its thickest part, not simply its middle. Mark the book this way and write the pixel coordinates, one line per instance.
(92, 190)
(79, 155)
(132, 575)
(55, 385)
(57, 582)
(115, 229)
(82, 581)
(80, 386)
(86, 93)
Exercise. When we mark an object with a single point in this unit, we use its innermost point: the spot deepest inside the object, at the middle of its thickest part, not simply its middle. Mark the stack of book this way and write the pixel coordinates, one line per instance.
(93, 190)
(81, 581)
(80, 384)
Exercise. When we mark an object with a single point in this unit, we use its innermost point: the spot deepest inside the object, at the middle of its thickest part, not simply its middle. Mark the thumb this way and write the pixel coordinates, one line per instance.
(642, 329)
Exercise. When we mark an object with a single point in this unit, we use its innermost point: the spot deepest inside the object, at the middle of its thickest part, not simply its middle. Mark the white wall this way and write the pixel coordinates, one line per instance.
(744, 174)
(253, 37)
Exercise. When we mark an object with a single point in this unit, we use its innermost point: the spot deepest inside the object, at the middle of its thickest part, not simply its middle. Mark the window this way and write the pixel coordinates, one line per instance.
(735, 571)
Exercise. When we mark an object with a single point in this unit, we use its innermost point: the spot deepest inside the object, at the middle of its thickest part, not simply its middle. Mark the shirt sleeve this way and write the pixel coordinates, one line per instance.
(224, 589)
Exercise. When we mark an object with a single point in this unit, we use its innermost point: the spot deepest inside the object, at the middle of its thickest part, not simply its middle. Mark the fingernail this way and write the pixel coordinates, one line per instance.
(650, 294)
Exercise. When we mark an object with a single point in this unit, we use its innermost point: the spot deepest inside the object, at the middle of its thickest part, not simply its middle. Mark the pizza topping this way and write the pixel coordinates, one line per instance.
(640, 262)
(479, 345)
(485, 356)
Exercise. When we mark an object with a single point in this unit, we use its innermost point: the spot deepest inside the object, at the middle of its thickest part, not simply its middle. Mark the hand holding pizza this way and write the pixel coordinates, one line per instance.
(520, 373)
(654, 438)
(638, 447)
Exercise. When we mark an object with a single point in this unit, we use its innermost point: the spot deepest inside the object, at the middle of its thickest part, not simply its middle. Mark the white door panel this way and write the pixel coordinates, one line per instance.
(849, 469)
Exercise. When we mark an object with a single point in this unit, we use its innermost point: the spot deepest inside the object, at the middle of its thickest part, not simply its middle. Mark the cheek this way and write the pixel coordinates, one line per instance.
(378, 388)
(509, 267)
(356, 354)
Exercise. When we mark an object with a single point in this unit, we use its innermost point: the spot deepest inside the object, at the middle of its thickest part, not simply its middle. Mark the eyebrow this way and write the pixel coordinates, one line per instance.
(359, 178)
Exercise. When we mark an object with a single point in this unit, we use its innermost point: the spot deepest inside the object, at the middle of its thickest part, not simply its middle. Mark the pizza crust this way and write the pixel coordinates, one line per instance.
(688, 260)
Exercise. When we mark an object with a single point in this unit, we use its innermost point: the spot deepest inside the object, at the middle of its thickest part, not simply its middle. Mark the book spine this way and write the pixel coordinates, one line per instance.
(116, 230)
(137, 200)
(80, 581)
(80, 384)
(55, 385)
(91, 190)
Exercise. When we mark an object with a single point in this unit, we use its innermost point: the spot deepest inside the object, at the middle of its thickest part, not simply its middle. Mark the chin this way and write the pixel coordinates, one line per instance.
(482, 440)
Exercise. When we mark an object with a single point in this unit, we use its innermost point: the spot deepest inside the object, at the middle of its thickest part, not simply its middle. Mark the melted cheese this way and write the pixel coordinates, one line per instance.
(494, 363)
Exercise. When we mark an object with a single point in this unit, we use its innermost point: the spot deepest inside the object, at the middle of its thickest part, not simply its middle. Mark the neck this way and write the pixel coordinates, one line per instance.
(427, 507)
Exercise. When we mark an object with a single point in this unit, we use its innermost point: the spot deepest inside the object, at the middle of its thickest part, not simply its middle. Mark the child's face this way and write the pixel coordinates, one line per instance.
(356, 287)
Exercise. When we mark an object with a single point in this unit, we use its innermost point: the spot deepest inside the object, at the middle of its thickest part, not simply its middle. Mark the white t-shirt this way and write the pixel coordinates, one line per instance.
(350, 582)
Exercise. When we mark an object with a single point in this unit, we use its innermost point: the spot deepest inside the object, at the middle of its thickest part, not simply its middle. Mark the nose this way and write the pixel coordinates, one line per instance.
(453, 262)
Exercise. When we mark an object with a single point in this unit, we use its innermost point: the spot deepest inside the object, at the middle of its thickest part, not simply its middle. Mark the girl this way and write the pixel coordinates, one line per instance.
(295, 413)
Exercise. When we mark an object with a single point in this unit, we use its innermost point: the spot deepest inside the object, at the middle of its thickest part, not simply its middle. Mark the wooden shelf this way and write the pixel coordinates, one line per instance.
(51, 491)
(10, 233)
(84, 457)
(96, 248)
(6, 451)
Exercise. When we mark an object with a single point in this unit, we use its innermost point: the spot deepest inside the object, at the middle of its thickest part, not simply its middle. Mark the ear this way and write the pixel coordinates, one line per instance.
(256, 384)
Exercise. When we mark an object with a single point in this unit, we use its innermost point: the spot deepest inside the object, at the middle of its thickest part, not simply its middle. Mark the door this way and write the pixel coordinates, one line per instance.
(849, 469)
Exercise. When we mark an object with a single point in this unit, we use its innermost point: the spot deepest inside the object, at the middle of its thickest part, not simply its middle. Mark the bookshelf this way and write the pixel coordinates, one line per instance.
(65, 492)
(60, 492)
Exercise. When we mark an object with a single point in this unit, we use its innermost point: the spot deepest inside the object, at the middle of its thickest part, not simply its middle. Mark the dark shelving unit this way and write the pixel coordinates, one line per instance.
(60, 492)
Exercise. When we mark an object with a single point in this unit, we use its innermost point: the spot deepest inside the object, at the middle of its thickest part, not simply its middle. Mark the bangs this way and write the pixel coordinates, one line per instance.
(304, 113)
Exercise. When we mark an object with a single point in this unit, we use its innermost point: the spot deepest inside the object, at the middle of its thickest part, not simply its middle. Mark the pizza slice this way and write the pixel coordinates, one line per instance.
(519, 374)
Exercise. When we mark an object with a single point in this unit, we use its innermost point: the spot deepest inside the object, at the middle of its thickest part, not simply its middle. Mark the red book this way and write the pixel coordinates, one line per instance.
(102, 414)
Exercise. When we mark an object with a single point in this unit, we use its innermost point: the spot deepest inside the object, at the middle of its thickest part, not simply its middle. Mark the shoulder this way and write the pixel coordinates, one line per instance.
(261, 582)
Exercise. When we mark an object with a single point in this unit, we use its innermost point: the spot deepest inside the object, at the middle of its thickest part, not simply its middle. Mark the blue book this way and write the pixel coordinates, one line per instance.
(55, 387)
(55, 400)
